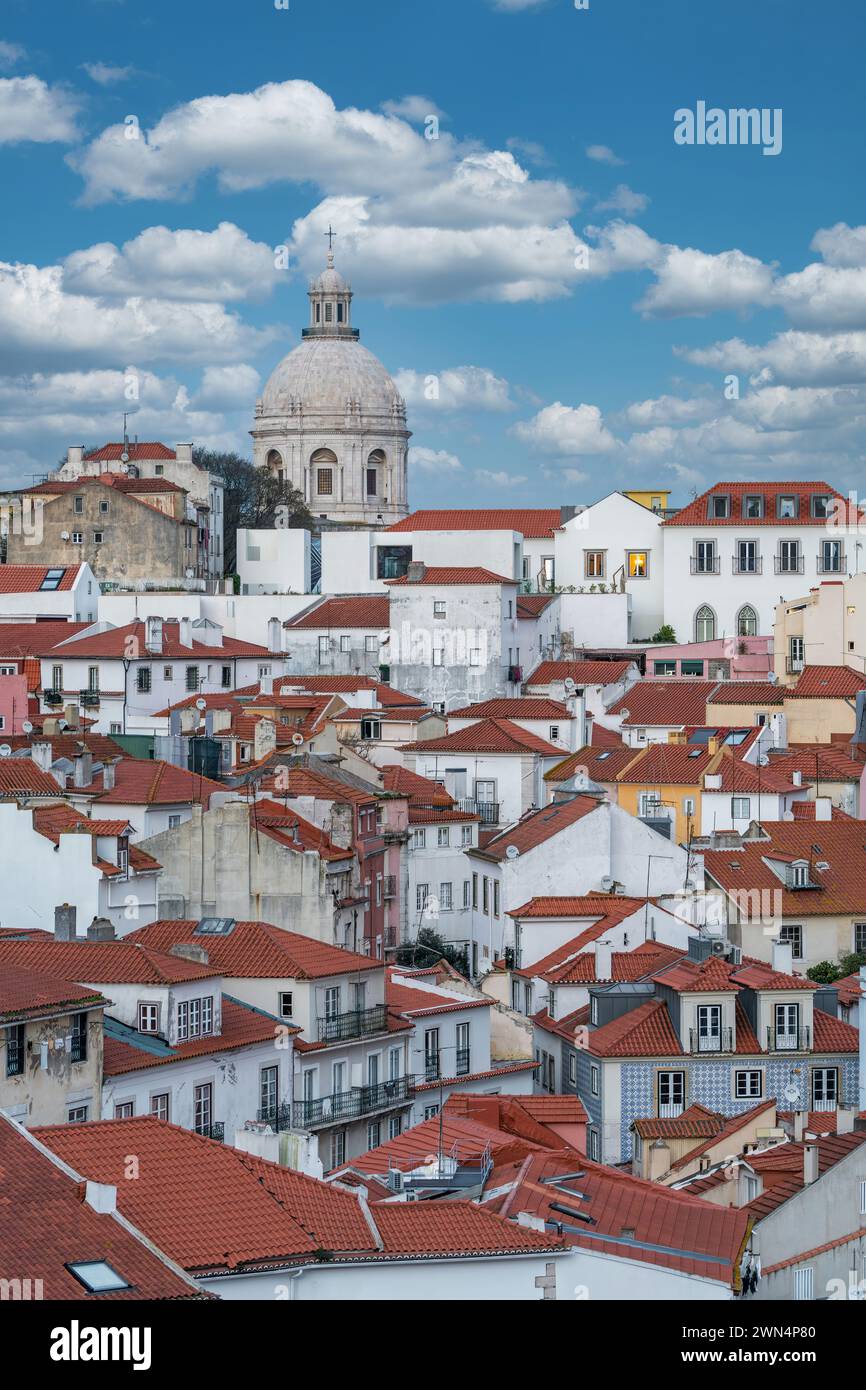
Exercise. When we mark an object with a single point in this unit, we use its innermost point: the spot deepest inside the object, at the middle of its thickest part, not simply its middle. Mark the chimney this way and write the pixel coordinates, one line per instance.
(783, 957)
(75, 455)
(275, 637)
(801, 1120)
(64, 922)
(415, 572)
(296, 836)
(40, 754)
(603, 960)
(810, 1163)
(50, 727)
(566, 513)
(100, 929)
(185, 632)
(183, 453)
(83, 768)
(823, 808)
(266, 685)
(712, 745)
(72, 716)
(101, 1196)
(845, 1120)
(797, 777)
(190, 950)
(153, 634)
(109, 775)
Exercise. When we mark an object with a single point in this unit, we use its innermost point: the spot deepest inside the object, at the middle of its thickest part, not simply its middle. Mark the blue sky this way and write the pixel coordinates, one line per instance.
(580, 285)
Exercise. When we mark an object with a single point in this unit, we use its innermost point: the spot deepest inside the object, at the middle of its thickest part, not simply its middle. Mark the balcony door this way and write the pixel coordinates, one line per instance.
(787, 1026)
(672, 1093)
(431, 1054)
(825, 1088)
(710, 1028)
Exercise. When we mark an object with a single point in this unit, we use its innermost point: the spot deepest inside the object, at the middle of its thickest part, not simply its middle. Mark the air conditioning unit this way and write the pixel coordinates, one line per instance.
(720, 948)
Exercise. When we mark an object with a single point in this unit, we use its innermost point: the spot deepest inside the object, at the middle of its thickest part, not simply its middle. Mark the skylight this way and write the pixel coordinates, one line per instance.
(52, 579)
(98, 1276)
(214, 926)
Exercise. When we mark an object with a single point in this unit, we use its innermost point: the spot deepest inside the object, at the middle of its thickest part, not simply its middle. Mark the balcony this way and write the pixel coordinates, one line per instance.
(279, 1117)
(463, 1066)
(214, 1131)
(353, 1104)
(825, 1106)
(744, 564)
(824, 563)
(788, 564)
(355, 1023)
(432, 1067)
(705, 564)
(789, 1040)
(722, 1041)
(795, 665)
(53, 697)
(487, 811)
(78, 1047)
(88, 697)
(671, 1110)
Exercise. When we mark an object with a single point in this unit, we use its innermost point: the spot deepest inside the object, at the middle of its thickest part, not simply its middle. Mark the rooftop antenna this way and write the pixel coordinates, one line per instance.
(124, 456)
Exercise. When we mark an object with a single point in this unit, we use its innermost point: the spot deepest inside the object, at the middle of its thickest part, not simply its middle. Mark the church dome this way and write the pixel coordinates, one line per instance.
(324, 374)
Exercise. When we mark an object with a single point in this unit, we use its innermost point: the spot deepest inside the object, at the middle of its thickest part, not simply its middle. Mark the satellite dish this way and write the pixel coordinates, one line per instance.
(570, 686)
(297, 739)
(512, 852)
(63, 724)
(64, 535)
(791, 1093)
(763, 761)
(201, 703)
(5, 750)
(124, 457)
(27, 727)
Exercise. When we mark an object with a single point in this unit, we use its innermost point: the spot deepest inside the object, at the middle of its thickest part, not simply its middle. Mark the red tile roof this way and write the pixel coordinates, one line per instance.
(487, 736)
(302, 780)
(613, 907)
(47, 1226)
(216, 1209)
(529, 606)
(369, 611)
(136, 450)
(587, 672)
(386, 695)
(32, 639)
(537, 827)
(832, 1035)
(661, 764)
(524, 707)
(410, 714)
(21, 777)
(665, 704)
(695, 1122)
(240, 1026)
(696, 513)
(27, 579)
(120, 482)
(142, 782)
(100, 962)
(827, 683)
(415, 1002)
(421, 790)
(646, 1031)
(116, 642)
(537, 522)
(839, 843)
(564, 966)
(258, 950)
(747, 693)
(789, 1158)
(70, 743)
(602, 763)
(33, 993)
(446, 575)
(286, 827)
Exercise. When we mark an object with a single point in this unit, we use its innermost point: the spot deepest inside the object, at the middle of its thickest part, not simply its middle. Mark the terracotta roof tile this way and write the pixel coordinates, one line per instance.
(447, 575)
(100, 962)
(696, 513)
(369, 611)
(602, 763)
(665, 704)
(30, 993)
(115, 643)
(28, 579)
(257, 950)
(487, 736)
(523, 707)
(839, 843)
(586, 672)
(646, 1031)
(126, 1050)
(695, 1122)
(827, 683)
(533, 522)
(137, 450)
(539, 826)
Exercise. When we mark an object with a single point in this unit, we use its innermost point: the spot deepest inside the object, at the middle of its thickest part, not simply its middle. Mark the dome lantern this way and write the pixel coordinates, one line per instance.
(330, 299)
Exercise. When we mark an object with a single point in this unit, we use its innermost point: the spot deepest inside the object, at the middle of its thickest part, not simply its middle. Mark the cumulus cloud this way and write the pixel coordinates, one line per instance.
(30, 110)
(623, 199)
(186, 264)
(424, 460)
(603, 154)
(694, 283)
(454, 389)
(793, 357)
(500, 478)
(413, 108)
(10, 54)
(234, 387)
(566, 430)
(841, 245)
(105, 75)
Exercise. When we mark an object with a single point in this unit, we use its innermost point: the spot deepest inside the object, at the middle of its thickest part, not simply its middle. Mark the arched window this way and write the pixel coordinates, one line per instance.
(324, 464)
(705, 624)
(274, 461)
(747, 621)
(372, 481)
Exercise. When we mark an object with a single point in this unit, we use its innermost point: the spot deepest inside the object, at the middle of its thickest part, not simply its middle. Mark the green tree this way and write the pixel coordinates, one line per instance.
(664, 634)
(824, 973)
(429, 948)
(252, 497)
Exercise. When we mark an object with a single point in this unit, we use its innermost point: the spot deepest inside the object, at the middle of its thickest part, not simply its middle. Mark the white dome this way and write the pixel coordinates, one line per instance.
(329, 282)
(323, 374)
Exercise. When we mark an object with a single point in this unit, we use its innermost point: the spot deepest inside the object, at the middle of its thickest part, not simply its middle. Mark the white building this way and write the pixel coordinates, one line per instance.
(276, 560)
(439, 894)
(36, 593)
(738, 548)
(330, 420)
(339, 637)
(616, 544)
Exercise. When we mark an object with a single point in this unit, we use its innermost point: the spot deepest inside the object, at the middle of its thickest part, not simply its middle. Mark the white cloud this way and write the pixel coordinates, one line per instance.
(535, 153)
(793, 357)
(513, 6)
(824, 296)
(10, 54)
(233, 387)
(623, 199)
(433, 460)
(31, 110)
(500, 478)
(184, 264)
(413, 108)
(841, 245)
(455, 388)
(40, 322)
(105, 75)
(669, 410)
(566, 430)
(694, 283)
(603, 154)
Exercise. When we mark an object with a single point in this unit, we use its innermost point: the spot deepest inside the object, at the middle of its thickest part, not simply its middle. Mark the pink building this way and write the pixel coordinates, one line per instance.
(724, 658)
(13, 703)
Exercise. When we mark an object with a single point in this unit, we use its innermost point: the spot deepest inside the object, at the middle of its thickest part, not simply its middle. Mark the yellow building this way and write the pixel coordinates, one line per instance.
(655, 499)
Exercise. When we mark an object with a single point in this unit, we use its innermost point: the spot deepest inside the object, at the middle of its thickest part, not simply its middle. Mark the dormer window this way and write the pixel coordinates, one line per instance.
(720, 506)
(821, 505)
(798, 874)
(753, 507)
(786, 507)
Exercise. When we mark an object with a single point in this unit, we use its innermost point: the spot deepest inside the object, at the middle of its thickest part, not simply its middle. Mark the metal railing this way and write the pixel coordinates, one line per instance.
(824, 568)
(789, 1040)
(722, 1041)
(215, 1131)
(14, 1056)
(279, 1117)
(352, 1104)
(753, 566)
(462, 1067)
(791, 565)
(432, 1067)
(794, 665)
(78, 1047)
(354, 1023)
(488, 811)
(671, 1110)
(709, 564)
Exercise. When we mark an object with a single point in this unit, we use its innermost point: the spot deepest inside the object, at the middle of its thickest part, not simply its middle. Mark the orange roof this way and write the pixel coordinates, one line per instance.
(136, 450)
(841, 888)
(662, 764)
(487, 736)
(564, 966)
(21, 777)
(827, 683)
(523, 707)
(667, 703)
(537, 827)
(602, 763)
(142, 782)
(727, 1130)
(453, 574)
(412, 1001)
(788, 1158)
(697, 513)
(748, 693)
(369, 611)
(116, 643)
(587, 672)
(257, 950)
(534, 522)
(613, 907)
(100, 962)
(27, 579)
(695, 1122)
(32, 639)
(646, 1031)
(419, 789)
(125, 1050)
(30, 993)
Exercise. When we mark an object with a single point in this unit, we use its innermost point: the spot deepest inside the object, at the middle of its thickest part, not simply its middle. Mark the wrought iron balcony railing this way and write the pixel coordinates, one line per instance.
(463, 1064)
(705, 564)
(279, 1117)
(487, 811)
(789, 1040)
(788, 564)
(215, 1131)
(747, 564)
(355, 1023)
(353, 1104)
(830, 563)
(432, 1067)
(720, 1041)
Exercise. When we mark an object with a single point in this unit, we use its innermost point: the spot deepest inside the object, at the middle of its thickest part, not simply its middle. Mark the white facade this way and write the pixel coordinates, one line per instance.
(513, 782)
(615, 541)
(274, 561)
(439, 878)
(80, 604)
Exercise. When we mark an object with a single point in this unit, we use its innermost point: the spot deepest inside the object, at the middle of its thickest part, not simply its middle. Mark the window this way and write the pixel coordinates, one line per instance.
(485, 895)
(821, 506)
(831, 558)
(79, 1037)
(192, 678)
(594, 564)
(431, 1054)
(269, 1090)
(430, 1111)
(77, 1114)
(572, 1068)
(688, 806)
(371, 728)
(374, 1134)
(554, 732)
(419, 839)
(422, 893)
(440, 608)
(496, 897)
(463, 1056)
(174, 821)
(747, 622)
(474, 656)
(325, 482)
(705, 624)
(445, 897)
(753, 508)
(593, 1145)
(324, 647)
(664, 668)
(787, 1026)
(748, 1085)
(466, 835)
(332, 1001)
(77, 537)
(475, 892)
(709, 1027)
(467, 892)
(286, 1003)
(794, 934)
(746, 560)
(203, 1108)
(395, 1126)
(638, 564)
(395, 1063)
(788, 561)
(860, 938)
(825, 1088)
(442, 836)
(691, 668)
(97, 537)
(438, 656)
(125, 1110)
(98, 1276)
(594, 1079)
(672, 1093)
(786, 507)
(804, 1284)
(114, 729)
(863, 1199)
(720, 506)
(740, 807)
(704, 560)
(207, 1014)
(142, 680)
(372, 478)
(78, 505)
(797, 648)
(371, 644)
(15, 1050)
(159, 470)
(148, 1018)
(159, 1105)
(345, 643)
(52, 580)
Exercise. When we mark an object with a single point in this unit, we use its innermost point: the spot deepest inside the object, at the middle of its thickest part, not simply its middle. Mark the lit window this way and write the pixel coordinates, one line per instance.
(638, 564)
